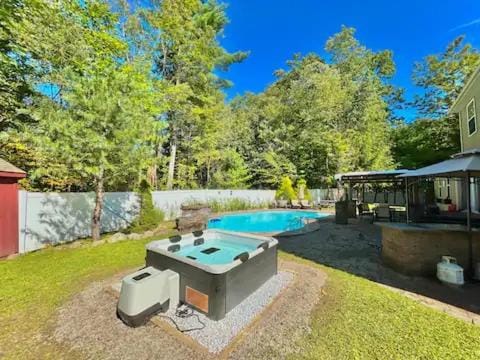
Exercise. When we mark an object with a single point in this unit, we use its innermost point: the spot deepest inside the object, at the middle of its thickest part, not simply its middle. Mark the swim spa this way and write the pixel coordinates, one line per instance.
(265, 221)
(217, 269)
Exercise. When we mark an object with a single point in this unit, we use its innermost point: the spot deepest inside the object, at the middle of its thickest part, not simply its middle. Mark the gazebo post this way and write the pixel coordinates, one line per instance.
(469, 225)
(469, 203)
(394, 193)
(406, 199)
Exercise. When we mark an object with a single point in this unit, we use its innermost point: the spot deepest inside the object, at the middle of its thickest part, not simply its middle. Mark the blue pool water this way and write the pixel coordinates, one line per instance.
(225, 253)
(264, 221)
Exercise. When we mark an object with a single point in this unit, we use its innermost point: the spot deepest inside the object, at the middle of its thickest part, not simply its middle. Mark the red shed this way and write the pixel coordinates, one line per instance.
(9, 176)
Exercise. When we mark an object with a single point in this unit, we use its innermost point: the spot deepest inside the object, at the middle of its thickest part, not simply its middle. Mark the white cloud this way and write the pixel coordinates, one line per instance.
(465, 25)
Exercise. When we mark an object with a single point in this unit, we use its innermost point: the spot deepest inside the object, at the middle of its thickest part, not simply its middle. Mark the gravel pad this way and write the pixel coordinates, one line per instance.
(216, 335)
(87, 324)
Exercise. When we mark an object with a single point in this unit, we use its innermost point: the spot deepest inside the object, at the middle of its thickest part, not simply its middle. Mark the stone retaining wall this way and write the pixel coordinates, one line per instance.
(417, 251)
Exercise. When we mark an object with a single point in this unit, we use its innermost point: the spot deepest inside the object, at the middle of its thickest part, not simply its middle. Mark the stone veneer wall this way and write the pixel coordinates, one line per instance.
(417, 252)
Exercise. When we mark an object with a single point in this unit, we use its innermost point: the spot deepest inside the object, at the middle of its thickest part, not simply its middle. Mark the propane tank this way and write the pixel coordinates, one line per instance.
(449, 272)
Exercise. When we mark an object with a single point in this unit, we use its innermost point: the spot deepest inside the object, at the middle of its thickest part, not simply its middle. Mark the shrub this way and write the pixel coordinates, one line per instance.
(149, 216)
(285, 191)
(302, 190)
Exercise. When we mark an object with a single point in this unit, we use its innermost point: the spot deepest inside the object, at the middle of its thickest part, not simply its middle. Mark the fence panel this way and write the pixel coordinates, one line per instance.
(50, 218)
(170, 201)
(326, 194)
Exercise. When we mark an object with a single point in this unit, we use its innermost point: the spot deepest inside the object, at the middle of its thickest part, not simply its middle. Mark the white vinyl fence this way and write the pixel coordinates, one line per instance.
(50, 218)
(169, 201)
(326, 194)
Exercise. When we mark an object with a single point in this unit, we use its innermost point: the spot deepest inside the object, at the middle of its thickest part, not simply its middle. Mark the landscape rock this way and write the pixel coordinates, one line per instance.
(194, 217)
(75, 244)
(134, 236)
(148, 233)
(98, 242)
(117, 237)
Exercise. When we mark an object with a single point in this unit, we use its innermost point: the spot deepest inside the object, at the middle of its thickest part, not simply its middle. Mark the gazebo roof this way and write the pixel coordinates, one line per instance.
(371, 176)
(457, 166)
(9, 170)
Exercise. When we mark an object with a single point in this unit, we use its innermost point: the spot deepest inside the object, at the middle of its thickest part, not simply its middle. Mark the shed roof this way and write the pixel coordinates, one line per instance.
(6, 167)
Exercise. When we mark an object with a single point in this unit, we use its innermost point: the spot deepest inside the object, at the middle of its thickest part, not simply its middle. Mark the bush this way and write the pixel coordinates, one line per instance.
(302, 188)
(285, 191)
(149, 216)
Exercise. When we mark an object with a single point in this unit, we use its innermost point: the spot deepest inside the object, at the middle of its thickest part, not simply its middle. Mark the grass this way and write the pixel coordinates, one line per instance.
(34, 285)
(356, 319)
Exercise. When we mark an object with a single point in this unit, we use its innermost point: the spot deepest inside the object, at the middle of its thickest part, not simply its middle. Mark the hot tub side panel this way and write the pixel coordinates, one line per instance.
(224, 291)
(244, 279)
(204, 284)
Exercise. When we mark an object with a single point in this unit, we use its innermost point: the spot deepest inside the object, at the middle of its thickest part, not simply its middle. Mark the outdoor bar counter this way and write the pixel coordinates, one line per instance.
(416, 248)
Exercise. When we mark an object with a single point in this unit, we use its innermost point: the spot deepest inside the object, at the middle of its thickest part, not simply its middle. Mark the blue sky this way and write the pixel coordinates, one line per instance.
(274, 30)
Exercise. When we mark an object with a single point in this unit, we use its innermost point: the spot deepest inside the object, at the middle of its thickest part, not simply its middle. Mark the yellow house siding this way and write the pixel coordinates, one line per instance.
(472, 92)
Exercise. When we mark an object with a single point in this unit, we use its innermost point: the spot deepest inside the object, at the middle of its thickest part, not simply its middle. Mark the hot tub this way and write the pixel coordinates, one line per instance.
(218, 269)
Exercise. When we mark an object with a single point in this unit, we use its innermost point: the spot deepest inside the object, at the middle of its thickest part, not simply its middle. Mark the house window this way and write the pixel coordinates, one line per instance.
(471, 118)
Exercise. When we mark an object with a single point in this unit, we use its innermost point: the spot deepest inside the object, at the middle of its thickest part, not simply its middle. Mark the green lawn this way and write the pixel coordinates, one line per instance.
(34, 285)
(356, 318)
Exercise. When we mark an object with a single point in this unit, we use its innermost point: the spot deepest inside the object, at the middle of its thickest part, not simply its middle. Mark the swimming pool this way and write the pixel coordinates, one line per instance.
(264, 221)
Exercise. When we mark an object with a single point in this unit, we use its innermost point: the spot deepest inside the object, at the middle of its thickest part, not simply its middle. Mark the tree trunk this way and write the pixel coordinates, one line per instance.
(171, 164)
(208, 175)
(152, 176)
(97, 211)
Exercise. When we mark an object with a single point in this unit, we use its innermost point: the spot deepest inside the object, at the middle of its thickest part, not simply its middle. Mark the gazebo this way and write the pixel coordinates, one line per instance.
(463, 166)
(359, 179)
(351, 179)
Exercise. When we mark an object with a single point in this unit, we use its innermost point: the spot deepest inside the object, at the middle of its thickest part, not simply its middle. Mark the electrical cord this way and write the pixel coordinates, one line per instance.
(185, 312)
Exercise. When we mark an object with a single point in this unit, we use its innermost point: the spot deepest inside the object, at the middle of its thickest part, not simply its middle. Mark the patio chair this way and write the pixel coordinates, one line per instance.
(294, 204)
(326, 203)
(365, 209)
(282, 203)
(382, 212)
(305, 204)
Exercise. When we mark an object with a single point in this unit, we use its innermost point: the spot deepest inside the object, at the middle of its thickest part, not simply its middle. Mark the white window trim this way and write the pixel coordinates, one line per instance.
(460, 125)
(474, 117)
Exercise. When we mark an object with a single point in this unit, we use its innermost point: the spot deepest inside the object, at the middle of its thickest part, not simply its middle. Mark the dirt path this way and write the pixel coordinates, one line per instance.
(88, 326)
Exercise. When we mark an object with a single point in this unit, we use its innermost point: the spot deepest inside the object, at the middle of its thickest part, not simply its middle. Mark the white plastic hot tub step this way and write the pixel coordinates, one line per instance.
(147, 292)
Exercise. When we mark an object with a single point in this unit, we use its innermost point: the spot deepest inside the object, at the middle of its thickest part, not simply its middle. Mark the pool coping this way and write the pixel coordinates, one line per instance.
(312, 225)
